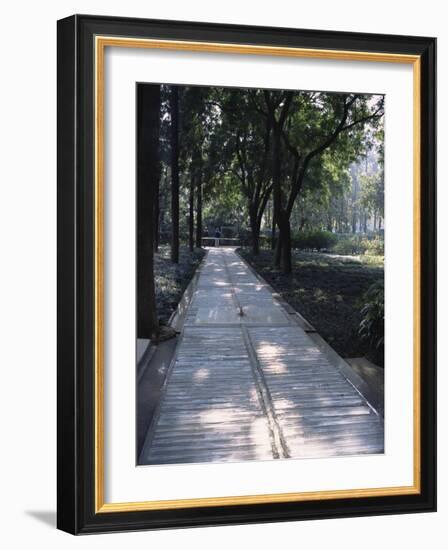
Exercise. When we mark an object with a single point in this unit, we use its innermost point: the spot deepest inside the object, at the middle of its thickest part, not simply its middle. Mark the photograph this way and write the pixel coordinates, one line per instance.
(260, 267)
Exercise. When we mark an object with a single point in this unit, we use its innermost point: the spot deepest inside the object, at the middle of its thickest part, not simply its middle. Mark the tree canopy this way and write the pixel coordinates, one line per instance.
(290, 159)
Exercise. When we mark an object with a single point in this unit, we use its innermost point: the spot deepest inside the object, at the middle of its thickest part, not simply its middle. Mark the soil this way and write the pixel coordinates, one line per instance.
(171, 279)
(327, 290)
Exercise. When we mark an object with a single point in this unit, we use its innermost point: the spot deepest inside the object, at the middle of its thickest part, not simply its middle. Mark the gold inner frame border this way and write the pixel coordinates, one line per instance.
(101, 42)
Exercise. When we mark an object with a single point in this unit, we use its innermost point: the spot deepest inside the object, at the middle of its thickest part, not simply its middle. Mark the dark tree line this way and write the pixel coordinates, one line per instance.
(148, 128)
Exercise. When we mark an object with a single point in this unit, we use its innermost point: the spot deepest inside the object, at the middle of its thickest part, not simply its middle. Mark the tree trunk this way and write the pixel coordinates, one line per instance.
(191, 211)
(285, 238)
(278, 250)
(148, 120)
(283, 249)
(199, 212)
(255, 230)
(157, 210)
(256, 242)
(277, 193)
(273, 229)
(174, 174)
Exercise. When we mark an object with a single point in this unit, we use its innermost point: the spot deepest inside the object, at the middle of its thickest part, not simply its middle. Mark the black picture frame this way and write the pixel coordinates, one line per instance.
(76, 512)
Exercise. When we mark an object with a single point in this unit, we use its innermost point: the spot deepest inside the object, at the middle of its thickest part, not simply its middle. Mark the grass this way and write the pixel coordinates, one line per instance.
(327, 290)
(171, 279)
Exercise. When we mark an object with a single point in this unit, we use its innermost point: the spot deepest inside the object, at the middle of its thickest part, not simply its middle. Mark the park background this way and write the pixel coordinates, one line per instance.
(305, 209)
(28, 275)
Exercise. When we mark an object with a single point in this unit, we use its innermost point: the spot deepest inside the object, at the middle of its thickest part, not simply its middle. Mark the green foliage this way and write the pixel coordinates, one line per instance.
(371, 327)
(370, 259)
(314, 240)
(226, 139)
(225, 204)
(358, 245)
(374, 247)
(348, 246)
(372, 193)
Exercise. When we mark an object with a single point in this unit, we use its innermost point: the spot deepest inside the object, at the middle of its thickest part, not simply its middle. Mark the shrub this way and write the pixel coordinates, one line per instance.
(347, 245)
(370, 259)
(357, 244)
(374, 247)
(314, 240)
(371, 327)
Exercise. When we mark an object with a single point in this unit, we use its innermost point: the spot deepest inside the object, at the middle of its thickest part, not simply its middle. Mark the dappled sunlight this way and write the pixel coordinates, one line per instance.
(216, 315)
(342, 443)
(220, 415)
(320, 414)
(201, 375)
(257, 432)
(253, 288)
(212, 270)
(266, 348)
(213, 409)
(320, 295)
(284, 403)
(278, 368)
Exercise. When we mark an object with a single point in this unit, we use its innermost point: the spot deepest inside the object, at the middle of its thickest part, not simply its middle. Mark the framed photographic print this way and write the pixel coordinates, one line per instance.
(246, 274)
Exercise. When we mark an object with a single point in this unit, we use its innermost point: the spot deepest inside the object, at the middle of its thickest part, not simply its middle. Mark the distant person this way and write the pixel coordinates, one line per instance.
(217, 236)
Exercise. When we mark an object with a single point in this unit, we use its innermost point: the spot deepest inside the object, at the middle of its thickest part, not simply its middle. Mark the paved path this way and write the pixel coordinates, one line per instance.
(247, 383)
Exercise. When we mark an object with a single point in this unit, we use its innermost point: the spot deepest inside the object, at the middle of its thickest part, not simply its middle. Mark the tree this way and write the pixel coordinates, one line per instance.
(225, 205)
(372, 196)
(148, 117)
(191, 211)
(193, 132)
(156, 228)
(250, 137)
(308, 124)
(277, 108)
(175, 174)
(290, 150)
(198, 185)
